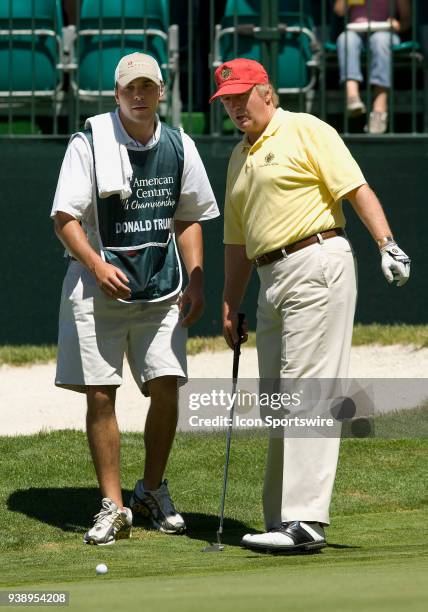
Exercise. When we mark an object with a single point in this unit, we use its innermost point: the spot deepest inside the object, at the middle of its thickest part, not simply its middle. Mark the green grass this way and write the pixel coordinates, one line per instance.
(375, 586)
(376, 333)
(27, 354)
(416, 335)
(376, 560)
(402, 424)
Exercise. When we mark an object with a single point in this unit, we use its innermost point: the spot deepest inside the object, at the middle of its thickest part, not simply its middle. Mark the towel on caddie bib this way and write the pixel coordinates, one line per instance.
(112, 165)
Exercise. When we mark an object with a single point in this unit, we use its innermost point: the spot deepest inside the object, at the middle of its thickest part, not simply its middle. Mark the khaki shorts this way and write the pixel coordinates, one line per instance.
(95, 332)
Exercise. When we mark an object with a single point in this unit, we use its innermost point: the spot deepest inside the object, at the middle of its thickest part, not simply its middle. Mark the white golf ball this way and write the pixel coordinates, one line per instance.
(101, 568)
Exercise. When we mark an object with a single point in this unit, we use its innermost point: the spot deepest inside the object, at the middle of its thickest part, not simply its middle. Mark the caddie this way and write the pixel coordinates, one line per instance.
(283, 214)
(132, 192)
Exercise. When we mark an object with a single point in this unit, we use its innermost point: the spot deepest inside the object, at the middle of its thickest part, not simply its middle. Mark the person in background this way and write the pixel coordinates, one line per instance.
(352, 41)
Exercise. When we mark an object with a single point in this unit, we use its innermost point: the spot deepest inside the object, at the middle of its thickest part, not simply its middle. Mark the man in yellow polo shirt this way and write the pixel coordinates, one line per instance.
(283, 213)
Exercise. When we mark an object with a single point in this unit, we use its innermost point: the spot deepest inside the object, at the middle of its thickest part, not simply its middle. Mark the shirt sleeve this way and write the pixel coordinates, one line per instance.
(197, 201)
(332, 160)
(75, 184)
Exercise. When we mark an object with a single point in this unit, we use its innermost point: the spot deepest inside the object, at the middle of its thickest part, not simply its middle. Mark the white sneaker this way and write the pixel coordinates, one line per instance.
(294, 536)
(110, 524)
(355, 106)
(158, 507)
(378, 123)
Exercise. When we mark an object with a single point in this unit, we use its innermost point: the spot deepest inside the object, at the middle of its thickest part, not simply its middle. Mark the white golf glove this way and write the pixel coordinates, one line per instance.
(395, 264)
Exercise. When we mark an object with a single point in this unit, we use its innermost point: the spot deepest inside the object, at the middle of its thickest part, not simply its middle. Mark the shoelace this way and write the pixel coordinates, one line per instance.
(106, 515)
(282, 528)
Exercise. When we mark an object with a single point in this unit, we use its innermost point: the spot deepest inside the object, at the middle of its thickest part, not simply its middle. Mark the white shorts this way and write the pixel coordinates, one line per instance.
(95, 332)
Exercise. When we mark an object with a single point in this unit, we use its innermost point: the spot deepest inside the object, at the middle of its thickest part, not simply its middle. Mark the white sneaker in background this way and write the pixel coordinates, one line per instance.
(355, 106)
(378, 123)
(158, 507)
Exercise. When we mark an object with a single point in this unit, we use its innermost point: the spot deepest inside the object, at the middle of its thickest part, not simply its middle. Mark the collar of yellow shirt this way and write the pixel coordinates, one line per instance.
(271, 129)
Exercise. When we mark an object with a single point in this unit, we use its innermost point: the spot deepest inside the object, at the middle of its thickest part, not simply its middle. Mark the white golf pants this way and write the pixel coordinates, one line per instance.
(304, 330)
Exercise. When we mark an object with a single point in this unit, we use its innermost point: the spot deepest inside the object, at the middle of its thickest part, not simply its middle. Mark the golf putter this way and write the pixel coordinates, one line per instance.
(218, 546)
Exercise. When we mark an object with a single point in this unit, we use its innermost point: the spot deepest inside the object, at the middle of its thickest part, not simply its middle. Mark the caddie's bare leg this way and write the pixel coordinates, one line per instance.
(151, 497)
(104, 440)
(160, 428)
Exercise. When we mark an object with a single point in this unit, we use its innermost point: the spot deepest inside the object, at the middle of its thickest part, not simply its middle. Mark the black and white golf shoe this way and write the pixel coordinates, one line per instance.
(158, 507)
(295, 536)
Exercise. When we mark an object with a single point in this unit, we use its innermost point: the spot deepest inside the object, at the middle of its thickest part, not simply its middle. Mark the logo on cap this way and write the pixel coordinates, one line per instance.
(269, 158)
(226, 73)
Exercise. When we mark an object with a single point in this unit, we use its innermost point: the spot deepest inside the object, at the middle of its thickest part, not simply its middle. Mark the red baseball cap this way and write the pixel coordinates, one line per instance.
(238, 76)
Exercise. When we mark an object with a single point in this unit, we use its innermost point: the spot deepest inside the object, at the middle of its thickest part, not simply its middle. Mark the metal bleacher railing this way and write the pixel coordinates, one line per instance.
(296, 41)
(54, 73)
(105, 32)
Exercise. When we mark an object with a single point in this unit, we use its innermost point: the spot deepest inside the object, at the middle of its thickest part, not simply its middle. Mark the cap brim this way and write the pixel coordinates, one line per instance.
(124, 81)
(232, 88)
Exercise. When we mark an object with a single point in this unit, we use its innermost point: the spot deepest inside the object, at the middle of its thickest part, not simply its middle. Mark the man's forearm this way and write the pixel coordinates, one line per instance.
(370, 211)
(190, 243)
(189, 238)
(394, 262)
(237, 272)
(111, 280)
(72, 236)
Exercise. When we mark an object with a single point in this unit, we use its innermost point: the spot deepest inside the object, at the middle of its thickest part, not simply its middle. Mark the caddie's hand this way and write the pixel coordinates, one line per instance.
(395, 264)
(230, 328)
(191, 304)
(112, 281)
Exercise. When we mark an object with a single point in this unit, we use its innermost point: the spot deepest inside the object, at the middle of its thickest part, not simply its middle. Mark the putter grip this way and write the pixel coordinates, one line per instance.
(237, 347)
(241, 319)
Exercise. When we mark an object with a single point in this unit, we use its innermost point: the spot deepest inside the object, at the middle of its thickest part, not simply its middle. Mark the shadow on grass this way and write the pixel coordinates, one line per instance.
(69, 508)
(72, 509)
(204, 527)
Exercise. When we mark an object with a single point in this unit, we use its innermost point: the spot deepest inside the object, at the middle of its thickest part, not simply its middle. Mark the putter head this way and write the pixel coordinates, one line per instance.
(217, 547)
(213, 548)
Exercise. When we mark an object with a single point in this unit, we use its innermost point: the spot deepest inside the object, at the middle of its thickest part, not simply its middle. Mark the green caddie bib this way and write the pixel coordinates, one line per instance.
(135, 234)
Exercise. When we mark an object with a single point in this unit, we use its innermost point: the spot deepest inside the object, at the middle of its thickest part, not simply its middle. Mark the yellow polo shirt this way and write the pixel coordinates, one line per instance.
(288, 184)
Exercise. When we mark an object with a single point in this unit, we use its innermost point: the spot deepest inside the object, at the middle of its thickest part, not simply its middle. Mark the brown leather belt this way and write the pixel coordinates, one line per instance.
(267, 258)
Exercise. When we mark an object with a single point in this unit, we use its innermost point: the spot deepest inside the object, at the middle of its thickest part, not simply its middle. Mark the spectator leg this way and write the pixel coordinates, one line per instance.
(349, 47)
(380, 99)
(380, 67)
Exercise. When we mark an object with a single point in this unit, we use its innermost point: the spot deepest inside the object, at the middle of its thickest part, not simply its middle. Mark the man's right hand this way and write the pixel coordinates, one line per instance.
(230, 328)
(111, 281)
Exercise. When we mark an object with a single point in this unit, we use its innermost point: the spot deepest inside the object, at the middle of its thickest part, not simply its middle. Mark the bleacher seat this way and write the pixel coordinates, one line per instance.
(240, 35)
(109, 29)
(30, 48)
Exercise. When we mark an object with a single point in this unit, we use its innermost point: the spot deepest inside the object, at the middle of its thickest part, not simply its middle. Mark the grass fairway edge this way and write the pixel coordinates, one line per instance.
(372, 587)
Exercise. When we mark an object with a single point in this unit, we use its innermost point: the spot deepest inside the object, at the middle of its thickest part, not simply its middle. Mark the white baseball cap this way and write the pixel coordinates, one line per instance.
(137, 65)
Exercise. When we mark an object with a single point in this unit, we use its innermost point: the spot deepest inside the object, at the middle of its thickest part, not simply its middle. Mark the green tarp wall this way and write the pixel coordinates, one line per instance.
(32, 266)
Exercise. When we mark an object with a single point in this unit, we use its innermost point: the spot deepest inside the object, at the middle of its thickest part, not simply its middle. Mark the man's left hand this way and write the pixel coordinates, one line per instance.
(193, 301)
(395, 264)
